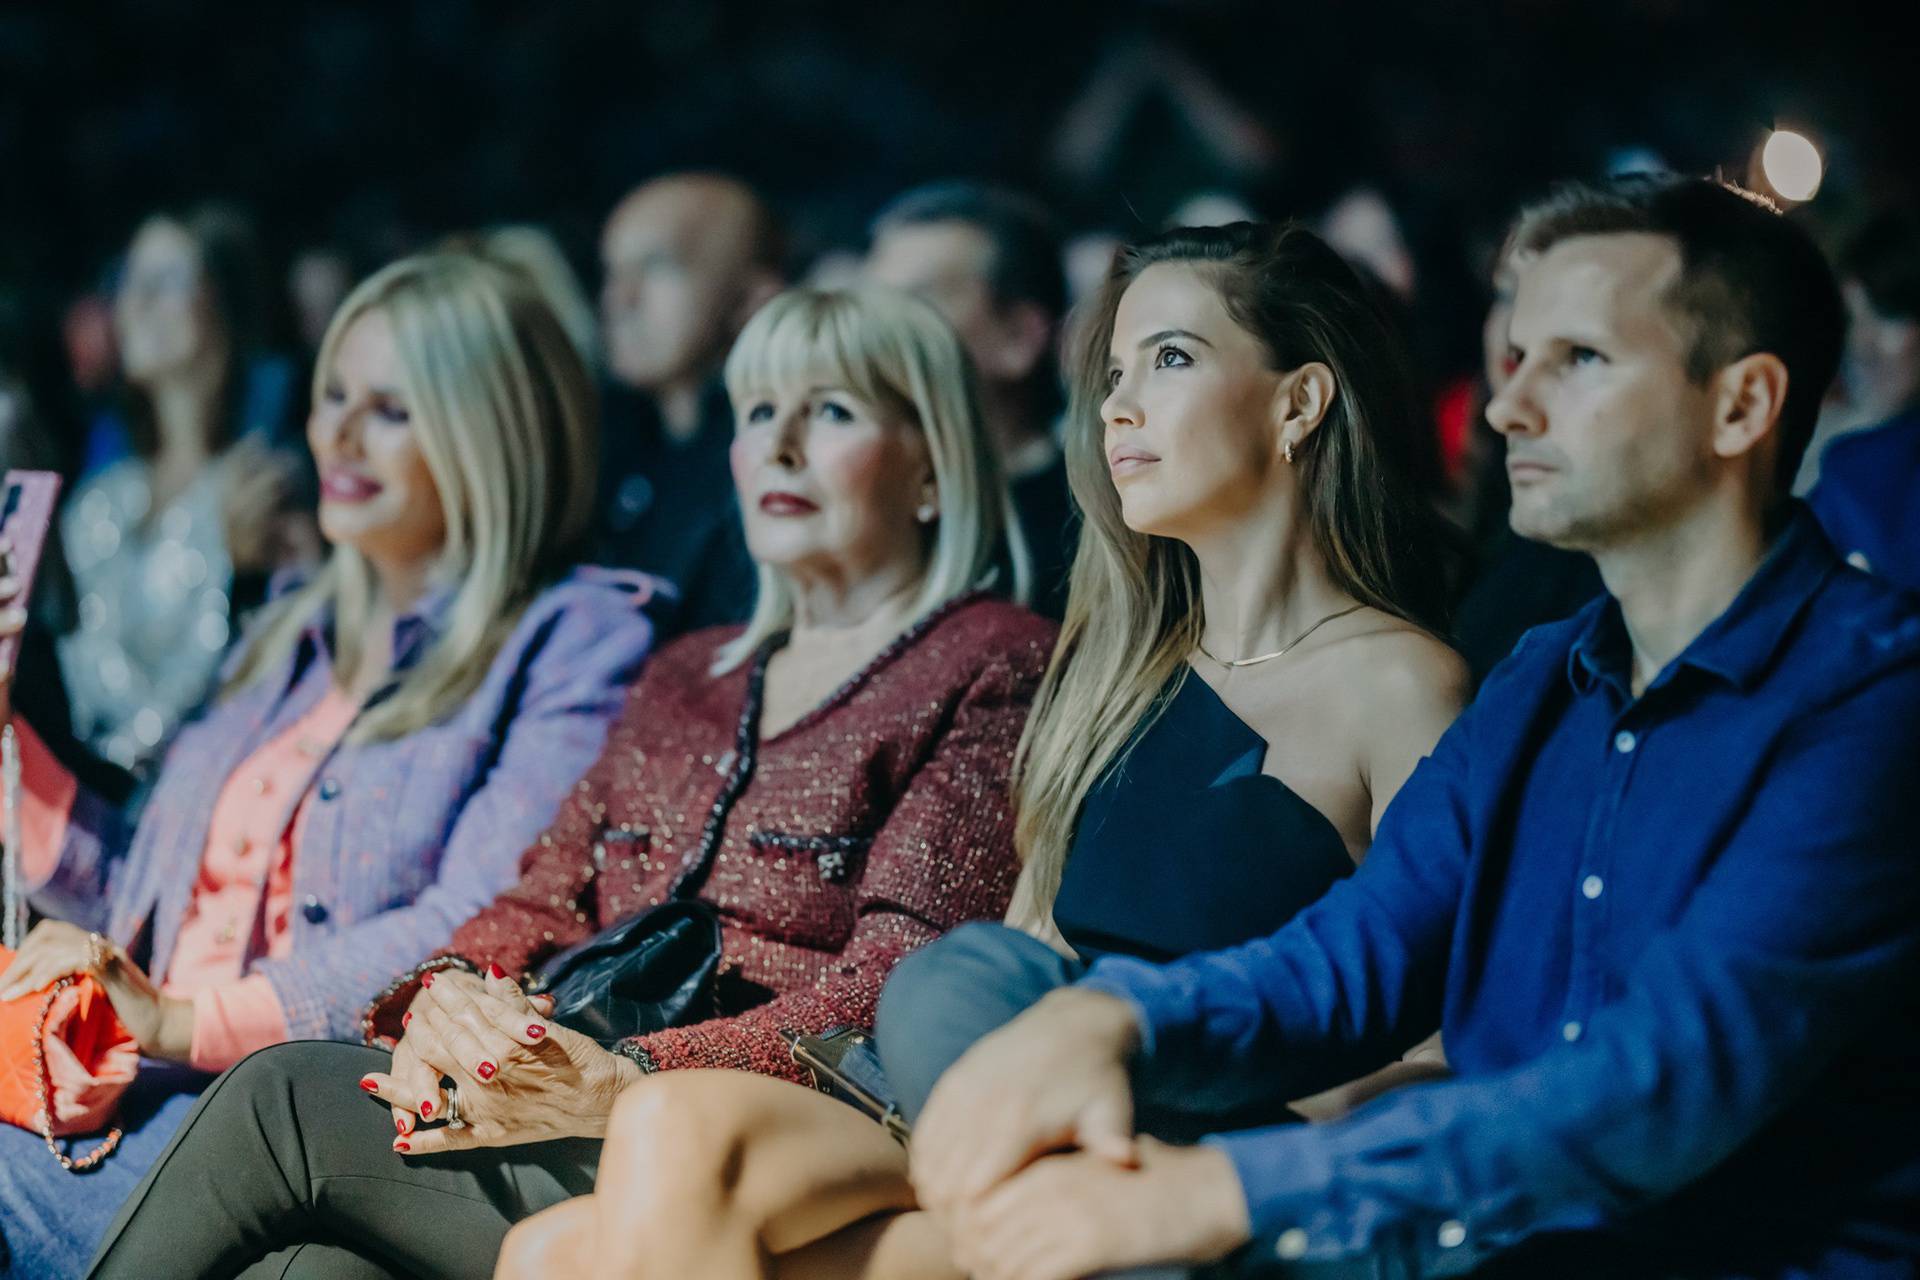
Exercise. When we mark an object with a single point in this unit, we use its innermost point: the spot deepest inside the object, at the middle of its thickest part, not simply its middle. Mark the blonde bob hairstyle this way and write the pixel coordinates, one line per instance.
(505, 415)
(898, 354)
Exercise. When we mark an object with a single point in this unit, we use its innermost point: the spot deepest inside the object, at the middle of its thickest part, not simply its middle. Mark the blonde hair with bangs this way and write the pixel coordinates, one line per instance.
(900, 355)
(505, 414)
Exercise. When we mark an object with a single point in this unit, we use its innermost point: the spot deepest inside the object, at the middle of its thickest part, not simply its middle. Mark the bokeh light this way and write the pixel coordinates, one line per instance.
(1792, 165)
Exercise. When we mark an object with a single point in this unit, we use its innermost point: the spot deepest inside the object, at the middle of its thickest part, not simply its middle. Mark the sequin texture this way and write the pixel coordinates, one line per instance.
(878, 821)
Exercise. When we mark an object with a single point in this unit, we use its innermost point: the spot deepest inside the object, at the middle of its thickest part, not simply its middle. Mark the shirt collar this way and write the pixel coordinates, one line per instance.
(1740, 644)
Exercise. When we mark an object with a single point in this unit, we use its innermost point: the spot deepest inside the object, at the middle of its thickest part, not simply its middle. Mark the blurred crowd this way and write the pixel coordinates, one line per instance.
(174, 409)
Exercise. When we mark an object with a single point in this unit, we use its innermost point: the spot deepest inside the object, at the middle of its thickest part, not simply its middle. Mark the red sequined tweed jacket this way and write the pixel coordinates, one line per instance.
(876, 823)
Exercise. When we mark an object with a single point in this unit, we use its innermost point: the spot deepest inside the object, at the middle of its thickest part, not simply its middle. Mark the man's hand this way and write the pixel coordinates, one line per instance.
(1053, 1079)
(1077, 1215)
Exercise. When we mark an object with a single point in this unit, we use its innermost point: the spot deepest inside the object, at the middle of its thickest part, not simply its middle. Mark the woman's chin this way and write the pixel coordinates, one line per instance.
(782, 552)
(1144, 516)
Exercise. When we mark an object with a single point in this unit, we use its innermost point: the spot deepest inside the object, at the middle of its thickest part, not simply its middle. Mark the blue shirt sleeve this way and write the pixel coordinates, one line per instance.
(1805, 931)
(1349, 984)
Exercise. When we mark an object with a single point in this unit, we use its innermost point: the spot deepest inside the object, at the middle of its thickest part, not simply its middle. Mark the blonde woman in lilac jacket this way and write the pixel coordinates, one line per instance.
(389, 739)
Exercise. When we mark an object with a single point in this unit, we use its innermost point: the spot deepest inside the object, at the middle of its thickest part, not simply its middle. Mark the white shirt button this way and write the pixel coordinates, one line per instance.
(1624, 741)
(1571, 1032)
(1292, 1245)
(1453, 1233)
(1858, 559)
(1592, 887)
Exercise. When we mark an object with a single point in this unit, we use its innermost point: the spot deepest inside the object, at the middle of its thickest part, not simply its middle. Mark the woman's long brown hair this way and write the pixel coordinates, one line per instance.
(1133, 608)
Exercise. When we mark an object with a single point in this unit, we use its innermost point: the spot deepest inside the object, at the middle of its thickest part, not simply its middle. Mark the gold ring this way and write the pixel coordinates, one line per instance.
(99, 954)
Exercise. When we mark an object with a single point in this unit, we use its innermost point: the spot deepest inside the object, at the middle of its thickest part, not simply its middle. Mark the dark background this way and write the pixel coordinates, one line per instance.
(371, 126)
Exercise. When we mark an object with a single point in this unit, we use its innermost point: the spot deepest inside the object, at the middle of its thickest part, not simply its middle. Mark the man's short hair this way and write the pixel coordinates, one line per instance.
(1751, 280)
(1884, 258)
(1026, 264)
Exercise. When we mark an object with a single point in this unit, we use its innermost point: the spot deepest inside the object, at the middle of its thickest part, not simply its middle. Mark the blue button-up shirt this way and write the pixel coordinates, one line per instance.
(1672, 942)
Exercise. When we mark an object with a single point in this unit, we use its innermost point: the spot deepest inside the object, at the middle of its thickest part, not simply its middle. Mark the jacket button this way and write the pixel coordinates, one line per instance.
(329, 788)
(313, 909)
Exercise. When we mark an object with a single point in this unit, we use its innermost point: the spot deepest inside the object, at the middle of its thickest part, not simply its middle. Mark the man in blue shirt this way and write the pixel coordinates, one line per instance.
(1658, 885)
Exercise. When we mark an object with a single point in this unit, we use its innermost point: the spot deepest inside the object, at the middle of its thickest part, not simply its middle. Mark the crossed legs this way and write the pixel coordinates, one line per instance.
(726, 1174)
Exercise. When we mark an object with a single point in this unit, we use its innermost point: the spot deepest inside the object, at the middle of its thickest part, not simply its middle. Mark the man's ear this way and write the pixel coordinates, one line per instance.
(1749, 396)
(1301, 403)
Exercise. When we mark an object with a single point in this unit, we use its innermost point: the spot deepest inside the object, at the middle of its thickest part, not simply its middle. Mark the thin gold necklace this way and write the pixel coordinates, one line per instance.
(1282, 652)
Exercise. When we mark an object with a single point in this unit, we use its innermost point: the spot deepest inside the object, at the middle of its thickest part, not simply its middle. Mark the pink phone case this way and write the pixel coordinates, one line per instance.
(26, 513)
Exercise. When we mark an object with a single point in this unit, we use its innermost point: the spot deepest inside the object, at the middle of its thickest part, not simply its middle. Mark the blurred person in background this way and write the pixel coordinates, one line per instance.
(39, 432)
(390, 738)
(1868, 494)
(535, 254)
(169, 543)
(318, 280)
(688, 258)
(990, 261)
(1408, 245)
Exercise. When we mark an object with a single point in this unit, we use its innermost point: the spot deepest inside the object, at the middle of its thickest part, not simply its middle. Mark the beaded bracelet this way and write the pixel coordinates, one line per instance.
(634, 1052)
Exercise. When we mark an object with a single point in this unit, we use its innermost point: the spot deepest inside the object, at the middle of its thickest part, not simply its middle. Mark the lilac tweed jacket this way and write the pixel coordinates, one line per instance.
(407, 839)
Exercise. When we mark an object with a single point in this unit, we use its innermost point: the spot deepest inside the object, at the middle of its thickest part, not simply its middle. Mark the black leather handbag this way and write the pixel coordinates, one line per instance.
(654, 971)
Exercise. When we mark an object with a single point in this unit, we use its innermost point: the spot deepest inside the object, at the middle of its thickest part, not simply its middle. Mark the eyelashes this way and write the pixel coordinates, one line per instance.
(764, 411)
(1165, 356)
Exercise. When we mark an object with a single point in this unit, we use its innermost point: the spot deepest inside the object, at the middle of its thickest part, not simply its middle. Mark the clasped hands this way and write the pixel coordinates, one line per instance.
(1026, 1152)
(520, 1076)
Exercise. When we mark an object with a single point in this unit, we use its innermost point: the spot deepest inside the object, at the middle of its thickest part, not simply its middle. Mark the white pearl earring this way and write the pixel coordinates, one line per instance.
(926, 513)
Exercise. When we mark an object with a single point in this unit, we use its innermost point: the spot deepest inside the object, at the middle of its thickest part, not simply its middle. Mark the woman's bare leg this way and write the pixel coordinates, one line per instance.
(713, 1173)
(553, 1242)
(891, 1246)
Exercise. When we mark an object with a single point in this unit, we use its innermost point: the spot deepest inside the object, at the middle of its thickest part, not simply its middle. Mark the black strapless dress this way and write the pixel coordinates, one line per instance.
(1182, 846)
(1186, 846)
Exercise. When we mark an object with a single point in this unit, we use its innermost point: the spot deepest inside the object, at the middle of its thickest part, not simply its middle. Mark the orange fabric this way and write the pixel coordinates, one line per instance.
(242, 903)
(91, 1058)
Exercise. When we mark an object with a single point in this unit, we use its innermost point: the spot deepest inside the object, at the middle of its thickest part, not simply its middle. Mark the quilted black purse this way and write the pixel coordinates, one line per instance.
(654, 971)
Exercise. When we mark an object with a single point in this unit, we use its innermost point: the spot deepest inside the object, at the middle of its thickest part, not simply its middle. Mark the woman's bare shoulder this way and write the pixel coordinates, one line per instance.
(1410, 675)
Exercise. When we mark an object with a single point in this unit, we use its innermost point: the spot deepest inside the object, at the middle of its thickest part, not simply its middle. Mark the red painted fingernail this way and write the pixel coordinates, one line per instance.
(406, 1019)
(369, 1086)
(401, 1146)
(426, 1108)
(495, 971)
(427, 981)
(399, 1124)
(535, 1031)
(486, 1070)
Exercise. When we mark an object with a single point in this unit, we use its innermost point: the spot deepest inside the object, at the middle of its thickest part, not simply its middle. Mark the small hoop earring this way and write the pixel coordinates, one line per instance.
(926, 513)
(1286, 451)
